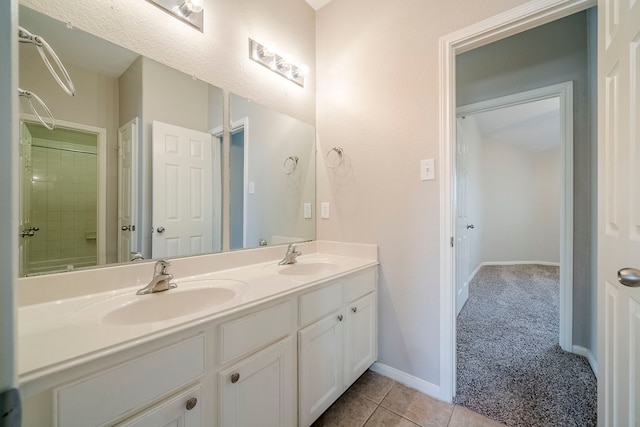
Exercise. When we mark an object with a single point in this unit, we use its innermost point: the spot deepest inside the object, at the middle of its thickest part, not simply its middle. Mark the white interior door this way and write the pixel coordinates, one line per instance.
(182, 191)
(25, 198)
(618, 212)
(462, 220)
(127, 190)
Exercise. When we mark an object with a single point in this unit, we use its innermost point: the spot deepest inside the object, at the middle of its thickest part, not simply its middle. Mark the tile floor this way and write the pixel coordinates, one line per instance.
(375, 400)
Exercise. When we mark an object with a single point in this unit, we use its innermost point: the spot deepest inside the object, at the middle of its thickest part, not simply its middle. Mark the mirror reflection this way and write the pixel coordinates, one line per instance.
(272, 162)
(134, 168)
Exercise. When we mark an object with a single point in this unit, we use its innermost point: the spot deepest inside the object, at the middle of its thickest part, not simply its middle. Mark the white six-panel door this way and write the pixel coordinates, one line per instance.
(618, 211)
(182, 191)
(462, 219)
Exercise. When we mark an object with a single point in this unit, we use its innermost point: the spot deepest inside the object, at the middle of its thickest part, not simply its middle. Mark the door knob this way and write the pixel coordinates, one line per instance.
(470, 226)
(191, 403)
(160, 229)
(128, 228)
(629, 277)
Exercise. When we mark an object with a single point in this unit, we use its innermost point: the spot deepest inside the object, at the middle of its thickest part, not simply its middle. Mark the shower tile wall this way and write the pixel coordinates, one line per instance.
(63, 205)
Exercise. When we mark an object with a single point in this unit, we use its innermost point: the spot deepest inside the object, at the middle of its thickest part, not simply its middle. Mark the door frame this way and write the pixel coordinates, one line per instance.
(529, 15)
(101, 142)
(564, 92)
(217, 151)
(235, 127)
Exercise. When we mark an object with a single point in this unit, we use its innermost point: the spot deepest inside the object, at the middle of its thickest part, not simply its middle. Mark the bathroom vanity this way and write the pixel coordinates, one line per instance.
(253, 343)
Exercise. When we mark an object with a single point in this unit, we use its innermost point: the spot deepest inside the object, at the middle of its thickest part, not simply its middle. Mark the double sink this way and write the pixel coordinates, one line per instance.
(190, 298)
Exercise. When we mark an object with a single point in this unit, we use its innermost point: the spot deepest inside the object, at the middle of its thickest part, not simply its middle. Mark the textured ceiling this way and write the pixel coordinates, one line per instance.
(86, 51)
(534, 126)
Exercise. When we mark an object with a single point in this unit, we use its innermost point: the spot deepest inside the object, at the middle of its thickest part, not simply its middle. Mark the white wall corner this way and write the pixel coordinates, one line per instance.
(415, 383)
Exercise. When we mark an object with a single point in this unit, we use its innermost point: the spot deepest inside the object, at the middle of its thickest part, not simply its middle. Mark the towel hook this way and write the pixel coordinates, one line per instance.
(44, 49)
(339, 158)
(30, 95)
(290, 164)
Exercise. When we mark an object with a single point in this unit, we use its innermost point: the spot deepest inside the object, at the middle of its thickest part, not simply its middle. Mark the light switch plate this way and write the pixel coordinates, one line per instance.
(307, 211)
(427, 169)
(324, 210)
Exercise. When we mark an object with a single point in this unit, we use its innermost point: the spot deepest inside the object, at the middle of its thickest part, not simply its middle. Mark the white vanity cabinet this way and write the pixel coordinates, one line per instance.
(145, 382)
(279, 362)
(257, 384)
(337, 343)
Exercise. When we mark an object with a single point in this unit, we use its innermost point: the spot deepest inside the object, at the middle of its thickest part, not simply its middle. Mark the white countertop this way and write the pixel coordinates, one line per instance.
(56, 335)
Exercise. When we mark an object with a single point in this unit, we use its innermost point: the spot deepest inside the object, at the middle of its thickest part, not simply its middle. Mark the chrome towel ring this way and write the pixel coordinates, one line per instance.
(47, 52)
(50, 123)
(336, 160)
(290, 164)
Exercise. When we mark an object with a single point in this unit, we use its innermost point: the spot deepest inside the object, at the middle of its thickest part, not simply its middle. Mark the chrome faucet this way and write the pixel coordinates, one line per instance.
(161, 280)
(290, 256)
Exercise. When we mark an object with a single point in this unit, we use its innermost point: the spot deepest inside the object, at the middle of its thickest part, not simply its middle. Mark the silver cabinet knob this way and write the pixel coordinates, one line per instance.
(160, 229)
(629, 277)
(191, 403)
(235, 378)
(340, 317)
(470, 226)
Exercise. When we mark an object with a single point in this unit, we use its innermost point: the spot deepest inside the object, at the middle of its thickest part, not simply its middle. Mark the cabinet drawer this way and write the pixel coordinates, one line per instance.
(178, 410)
(316, 304)
(360, 284)
(252, 331)
(115, 392)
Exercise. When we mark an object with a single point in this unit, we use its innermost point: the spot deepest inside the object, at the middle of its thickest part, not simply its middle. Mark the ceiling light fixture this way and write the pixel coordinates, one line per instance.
(189, 11)
(280, 64)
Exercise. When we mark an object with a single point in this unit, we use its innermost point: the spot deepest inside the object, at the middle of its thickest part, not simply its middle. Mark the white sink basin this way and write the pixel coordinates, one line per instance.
(307, 268)
(188, 299)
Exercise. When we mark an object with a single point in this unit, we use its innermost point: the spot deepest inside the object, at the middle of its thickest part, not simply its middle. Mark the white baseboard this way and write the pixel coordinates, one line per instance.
(555, 264)
(407, 379)
(475, 272)
(582, 351)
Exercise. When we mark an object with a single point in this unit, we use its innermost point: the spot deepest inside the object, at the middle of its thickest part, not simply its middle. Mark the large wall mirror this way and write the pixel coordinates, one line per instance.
(135, 167)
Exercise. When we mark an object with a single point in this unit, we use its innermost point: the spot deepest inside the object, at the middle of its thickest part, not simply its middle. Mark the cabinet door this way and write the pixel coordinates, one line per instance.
(320, 366)
(260, 390)
(181, 410)
(361, 337)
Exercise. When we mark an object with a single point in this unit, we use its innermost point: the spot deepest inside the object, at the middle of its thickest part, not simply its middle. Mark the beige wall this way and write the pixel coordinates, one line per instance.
(520, 201)
(378, 99)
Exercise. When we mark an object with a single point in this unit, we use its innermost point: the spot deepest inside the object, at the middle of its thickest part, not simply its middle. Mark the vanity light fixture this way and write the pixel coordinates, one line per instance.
(189, 11)
(277, 63)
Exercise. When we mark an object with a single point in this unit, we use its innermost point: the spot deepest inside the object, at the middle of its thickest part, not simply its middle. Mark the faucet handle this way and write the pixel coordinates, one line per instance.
(162, 265)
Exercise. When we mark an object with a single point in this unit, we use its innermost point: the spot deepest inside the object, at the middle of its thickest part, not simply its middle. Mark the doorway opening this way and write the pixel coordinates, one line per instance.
(513, 22)
(508, 151)
(62, 197)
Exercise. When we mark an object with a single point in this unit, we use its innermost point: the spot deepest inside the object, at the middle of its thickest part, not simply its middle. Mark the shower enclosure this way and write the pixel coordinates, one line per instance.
(59, 227)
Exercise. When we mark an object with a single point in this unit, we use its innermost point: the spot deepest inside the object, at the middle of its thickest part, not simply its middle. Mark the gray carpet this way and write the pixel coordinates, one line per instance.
(510, 366)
